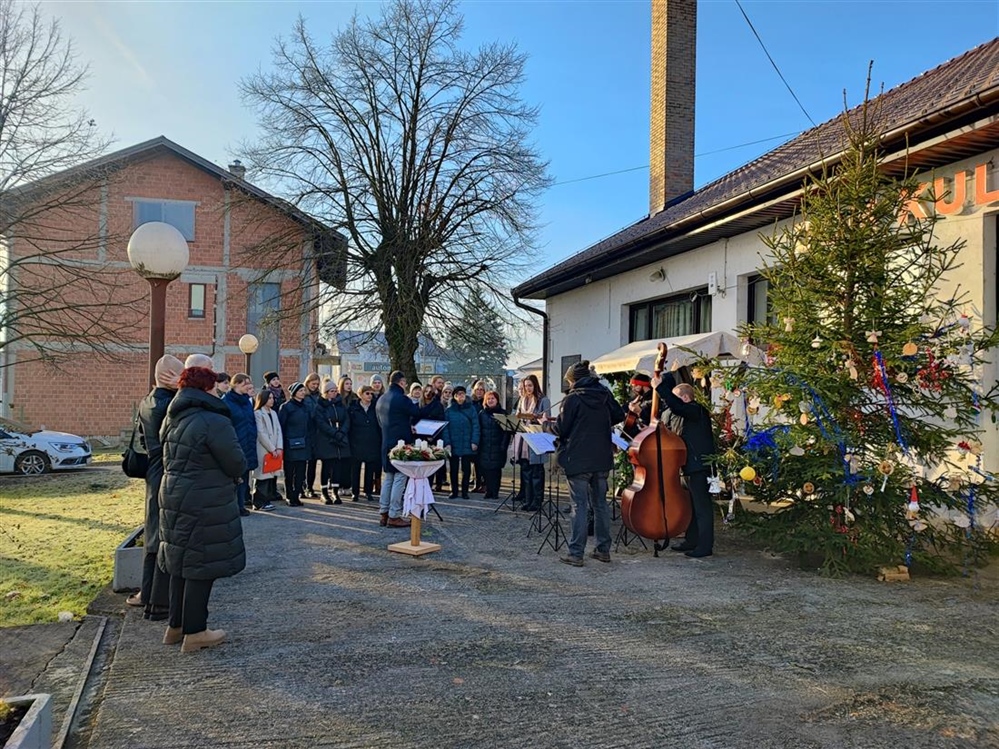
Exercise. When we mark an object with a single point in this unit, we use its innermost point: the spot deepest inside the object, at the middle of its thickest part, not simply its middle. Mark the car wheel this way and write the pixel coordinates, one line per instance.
(31, 463)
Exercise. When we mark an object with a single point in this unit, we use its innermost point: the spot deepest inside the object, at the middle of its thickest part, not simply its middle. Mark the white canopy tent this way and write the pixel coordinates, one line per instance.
(641, 355)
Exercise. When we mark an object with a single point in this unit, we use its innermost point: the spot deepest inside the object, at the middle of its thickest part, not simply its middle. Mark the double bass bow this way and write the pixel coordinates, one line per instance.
(656, 505)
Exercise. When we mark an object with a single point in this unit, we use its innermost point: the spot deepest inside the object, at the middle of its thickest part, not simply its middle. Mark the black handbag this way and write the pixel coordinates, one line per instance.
(134, 462)
(296, 443)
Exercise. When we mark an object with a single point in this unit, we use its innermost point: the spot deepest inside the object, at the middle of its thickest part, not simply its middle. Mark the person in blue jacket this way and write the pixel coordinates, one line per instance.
(244, 421)
(395, 412)
(462, 435)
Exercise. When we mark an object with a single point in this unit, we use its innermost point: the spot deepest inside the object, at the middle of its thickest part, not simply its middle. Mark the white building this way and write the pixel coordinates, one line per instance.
(693, 264)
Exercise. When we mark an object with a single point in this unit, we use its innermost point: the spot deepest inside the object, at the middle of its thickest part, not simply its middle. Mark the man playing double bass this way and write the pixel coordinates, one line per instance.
(698, 436)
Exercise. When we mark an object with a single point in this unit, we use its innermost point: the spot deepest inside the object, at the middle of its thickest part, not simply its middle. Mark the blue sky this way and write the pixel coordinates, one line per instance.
(171, 68)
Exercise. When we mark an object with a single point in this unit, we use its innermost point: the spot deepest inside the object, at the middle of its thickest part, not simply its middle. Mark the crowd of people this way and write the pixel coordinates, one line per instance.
(217, 449)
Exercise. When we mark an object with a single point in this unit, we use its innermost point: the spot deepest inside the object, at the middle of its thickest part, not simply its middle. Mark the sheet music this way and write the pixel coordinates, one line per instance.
(540, 443)
(620, 442)
(429, 428)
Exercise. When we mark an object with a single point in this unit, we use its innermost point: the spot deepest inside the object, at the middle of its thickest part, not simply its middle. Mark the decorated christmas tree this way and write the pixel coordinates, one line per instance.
(862, 431)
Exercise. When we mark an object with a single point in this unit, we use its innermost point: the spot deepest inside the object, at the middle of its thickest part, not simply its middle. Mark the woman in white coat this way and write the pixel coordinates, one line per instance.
(270, 442)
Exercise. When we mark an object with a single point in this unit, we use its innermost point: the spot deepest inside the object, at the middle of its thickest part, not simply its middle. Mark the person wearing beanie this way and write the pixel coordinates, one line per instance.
(332, 443)
(586, 454)
(200, 360)
(154, 593)
(640, 407)
(296, 430)
(272, 382)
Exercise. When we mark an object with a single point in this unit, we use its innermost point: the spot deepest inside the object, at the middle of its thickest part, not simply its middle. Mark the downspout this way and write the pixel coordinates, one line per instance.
(544, 338)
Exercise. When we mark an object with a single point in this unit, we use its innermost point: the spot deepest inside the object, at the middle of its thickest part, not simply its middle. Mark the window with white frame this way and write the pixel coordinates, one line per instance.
(178, 213)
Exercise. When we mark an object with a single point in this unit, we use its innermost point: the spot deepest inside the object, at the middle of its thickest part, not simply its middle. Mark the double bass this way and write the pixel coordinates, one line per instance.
(656, 505)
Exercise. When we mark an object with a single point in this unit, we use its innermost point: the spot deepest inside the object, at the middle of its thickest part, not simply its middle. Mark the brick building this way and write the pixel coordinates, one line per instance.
(237, 281)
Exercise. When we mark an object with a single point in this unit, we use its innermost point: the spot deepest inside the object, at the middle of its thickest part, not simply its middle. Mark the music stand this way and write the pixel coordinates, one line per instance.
(547, 518)
(510, 425)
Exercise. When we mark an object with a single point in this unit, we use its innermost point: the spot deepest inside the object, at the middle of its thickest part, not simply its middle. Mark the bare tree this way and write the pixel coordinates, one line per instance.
(57, 289)
(417, 150)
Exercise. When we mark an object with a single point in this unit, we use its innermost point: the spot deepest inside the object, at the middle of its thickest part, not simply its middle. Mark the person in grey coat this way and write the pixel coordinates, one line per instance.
(201, 535)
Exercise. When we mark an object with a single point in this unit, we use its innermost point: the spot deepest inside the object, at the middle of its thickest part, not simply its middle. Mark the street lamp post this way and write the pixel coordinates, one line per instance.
(158, 253)
(248, 344)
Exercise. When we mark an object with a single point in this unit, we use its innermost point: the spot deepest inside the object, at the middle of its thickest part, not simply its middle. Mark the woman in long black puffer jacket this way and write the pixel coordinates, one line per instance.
(493, 444)
(201, 535)
(332, 425)
(365, 444)
(296, 421)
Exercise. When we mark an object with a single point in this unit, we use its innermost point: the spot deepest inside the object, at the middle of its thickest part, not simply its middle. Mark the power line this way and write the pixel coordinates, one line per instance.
(696, 155)
(788, 85)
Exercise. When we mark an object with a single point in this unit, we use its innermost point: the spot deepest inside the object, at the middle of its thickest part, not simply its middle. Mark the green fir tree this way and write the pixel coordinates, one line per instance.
(865, 420)
(476, 339)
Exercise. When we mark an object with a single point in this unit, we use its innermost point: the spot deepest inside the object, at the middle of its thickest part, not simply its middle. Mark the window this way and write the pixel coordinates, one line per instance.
(568, 361)
(683, 314)
(759, 308)
(196, 300)
(178, 214)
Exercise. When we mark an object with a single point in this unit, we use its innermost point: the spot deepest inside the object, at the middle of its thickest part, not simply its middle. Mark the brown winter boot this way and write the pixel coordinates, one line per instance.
(384, 520)
(173, 635)
(206, 639)
(398, 523)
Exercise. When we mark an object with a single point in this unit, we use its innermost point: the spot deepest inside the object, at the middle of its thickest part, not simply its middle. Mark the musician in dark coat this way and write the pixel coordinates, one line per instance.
(296, 428)
(586, 454)
(201, 535)
(699, 437)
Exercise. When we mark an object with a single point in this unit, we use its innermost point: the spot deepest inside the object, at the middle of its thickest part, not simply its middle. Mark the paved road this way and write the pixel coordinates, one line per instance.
(336, 642)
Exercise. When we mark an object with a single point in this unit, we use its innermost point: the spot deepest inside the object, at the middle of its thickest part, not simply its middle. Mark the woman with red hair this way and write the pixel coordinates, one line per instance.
(201, 536)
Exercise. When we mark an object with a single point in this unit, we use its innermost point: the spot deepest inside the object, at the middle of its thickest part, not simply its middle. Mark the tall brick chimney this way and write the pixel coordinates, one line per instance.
(671, 126)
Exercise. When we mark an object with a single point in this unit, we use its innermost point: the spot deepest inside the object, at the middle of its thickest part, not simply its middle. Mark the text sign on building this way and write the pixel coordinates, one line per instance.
(959, 197)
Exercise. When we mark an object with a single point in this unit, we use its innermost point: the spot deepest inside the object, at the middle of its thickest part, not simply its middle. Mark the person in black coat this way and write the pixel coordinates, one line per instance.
(155, 591)
(201, 536)
(313, 394)
(245, 423)
(493, 444)
(699, 437)
(433, 408)
(396, 412)
(365, 444)
(297, 430)
(332, 422)
(586, 454)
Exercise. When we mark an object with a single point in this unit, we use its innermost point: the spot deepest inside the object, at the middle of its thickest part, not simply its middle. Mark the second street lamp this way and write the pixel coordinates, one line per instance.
(248, 344)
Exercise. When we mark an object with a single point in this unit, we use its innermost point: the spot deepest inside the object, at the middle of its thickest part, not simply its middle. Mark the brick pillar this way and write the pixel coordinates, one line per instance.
(671, 126)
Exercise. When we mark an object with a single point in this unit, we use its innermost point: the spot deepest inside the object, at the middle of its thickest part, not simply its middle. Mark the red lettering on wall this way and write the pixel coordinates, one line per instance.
(956, 205)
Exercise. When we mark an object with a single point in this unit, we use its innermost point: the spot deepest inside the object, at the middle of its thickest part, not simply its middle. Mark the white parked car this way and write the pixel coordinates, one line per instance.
(40, 452)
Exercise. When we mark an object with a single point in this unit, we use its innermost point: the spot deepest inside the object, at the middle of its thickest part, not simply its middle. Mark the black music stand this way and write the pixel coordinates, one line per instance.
(510, 425)
(547, 518)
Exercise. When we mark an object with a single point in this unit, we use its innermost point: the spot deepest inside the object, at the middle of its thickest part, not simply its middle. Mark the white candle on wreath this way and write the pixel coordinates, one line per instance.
(440, 444)
(400, 443)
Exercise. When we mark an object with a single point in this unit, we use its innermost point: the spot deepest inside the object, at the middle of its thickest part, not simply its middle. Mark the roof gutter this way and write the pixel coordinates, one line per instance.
(755, 193)
(545, 332)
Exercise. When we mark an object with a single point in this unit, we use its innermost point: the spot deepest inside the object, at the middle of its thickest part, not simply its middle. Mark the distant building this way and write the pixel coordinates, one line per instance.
(360, 354)
(222, 294)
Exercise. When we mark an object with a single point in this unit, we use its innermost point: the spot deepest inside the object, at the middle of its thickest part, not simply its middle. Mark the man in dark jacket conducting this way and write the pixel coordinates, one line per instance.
(698, 435)
(586, 455)
(395, 416)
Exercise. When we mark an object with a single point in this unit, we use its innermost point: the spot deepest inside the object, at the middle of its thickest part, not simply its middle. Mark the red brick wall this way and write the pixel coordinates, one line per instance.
(93, 396)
